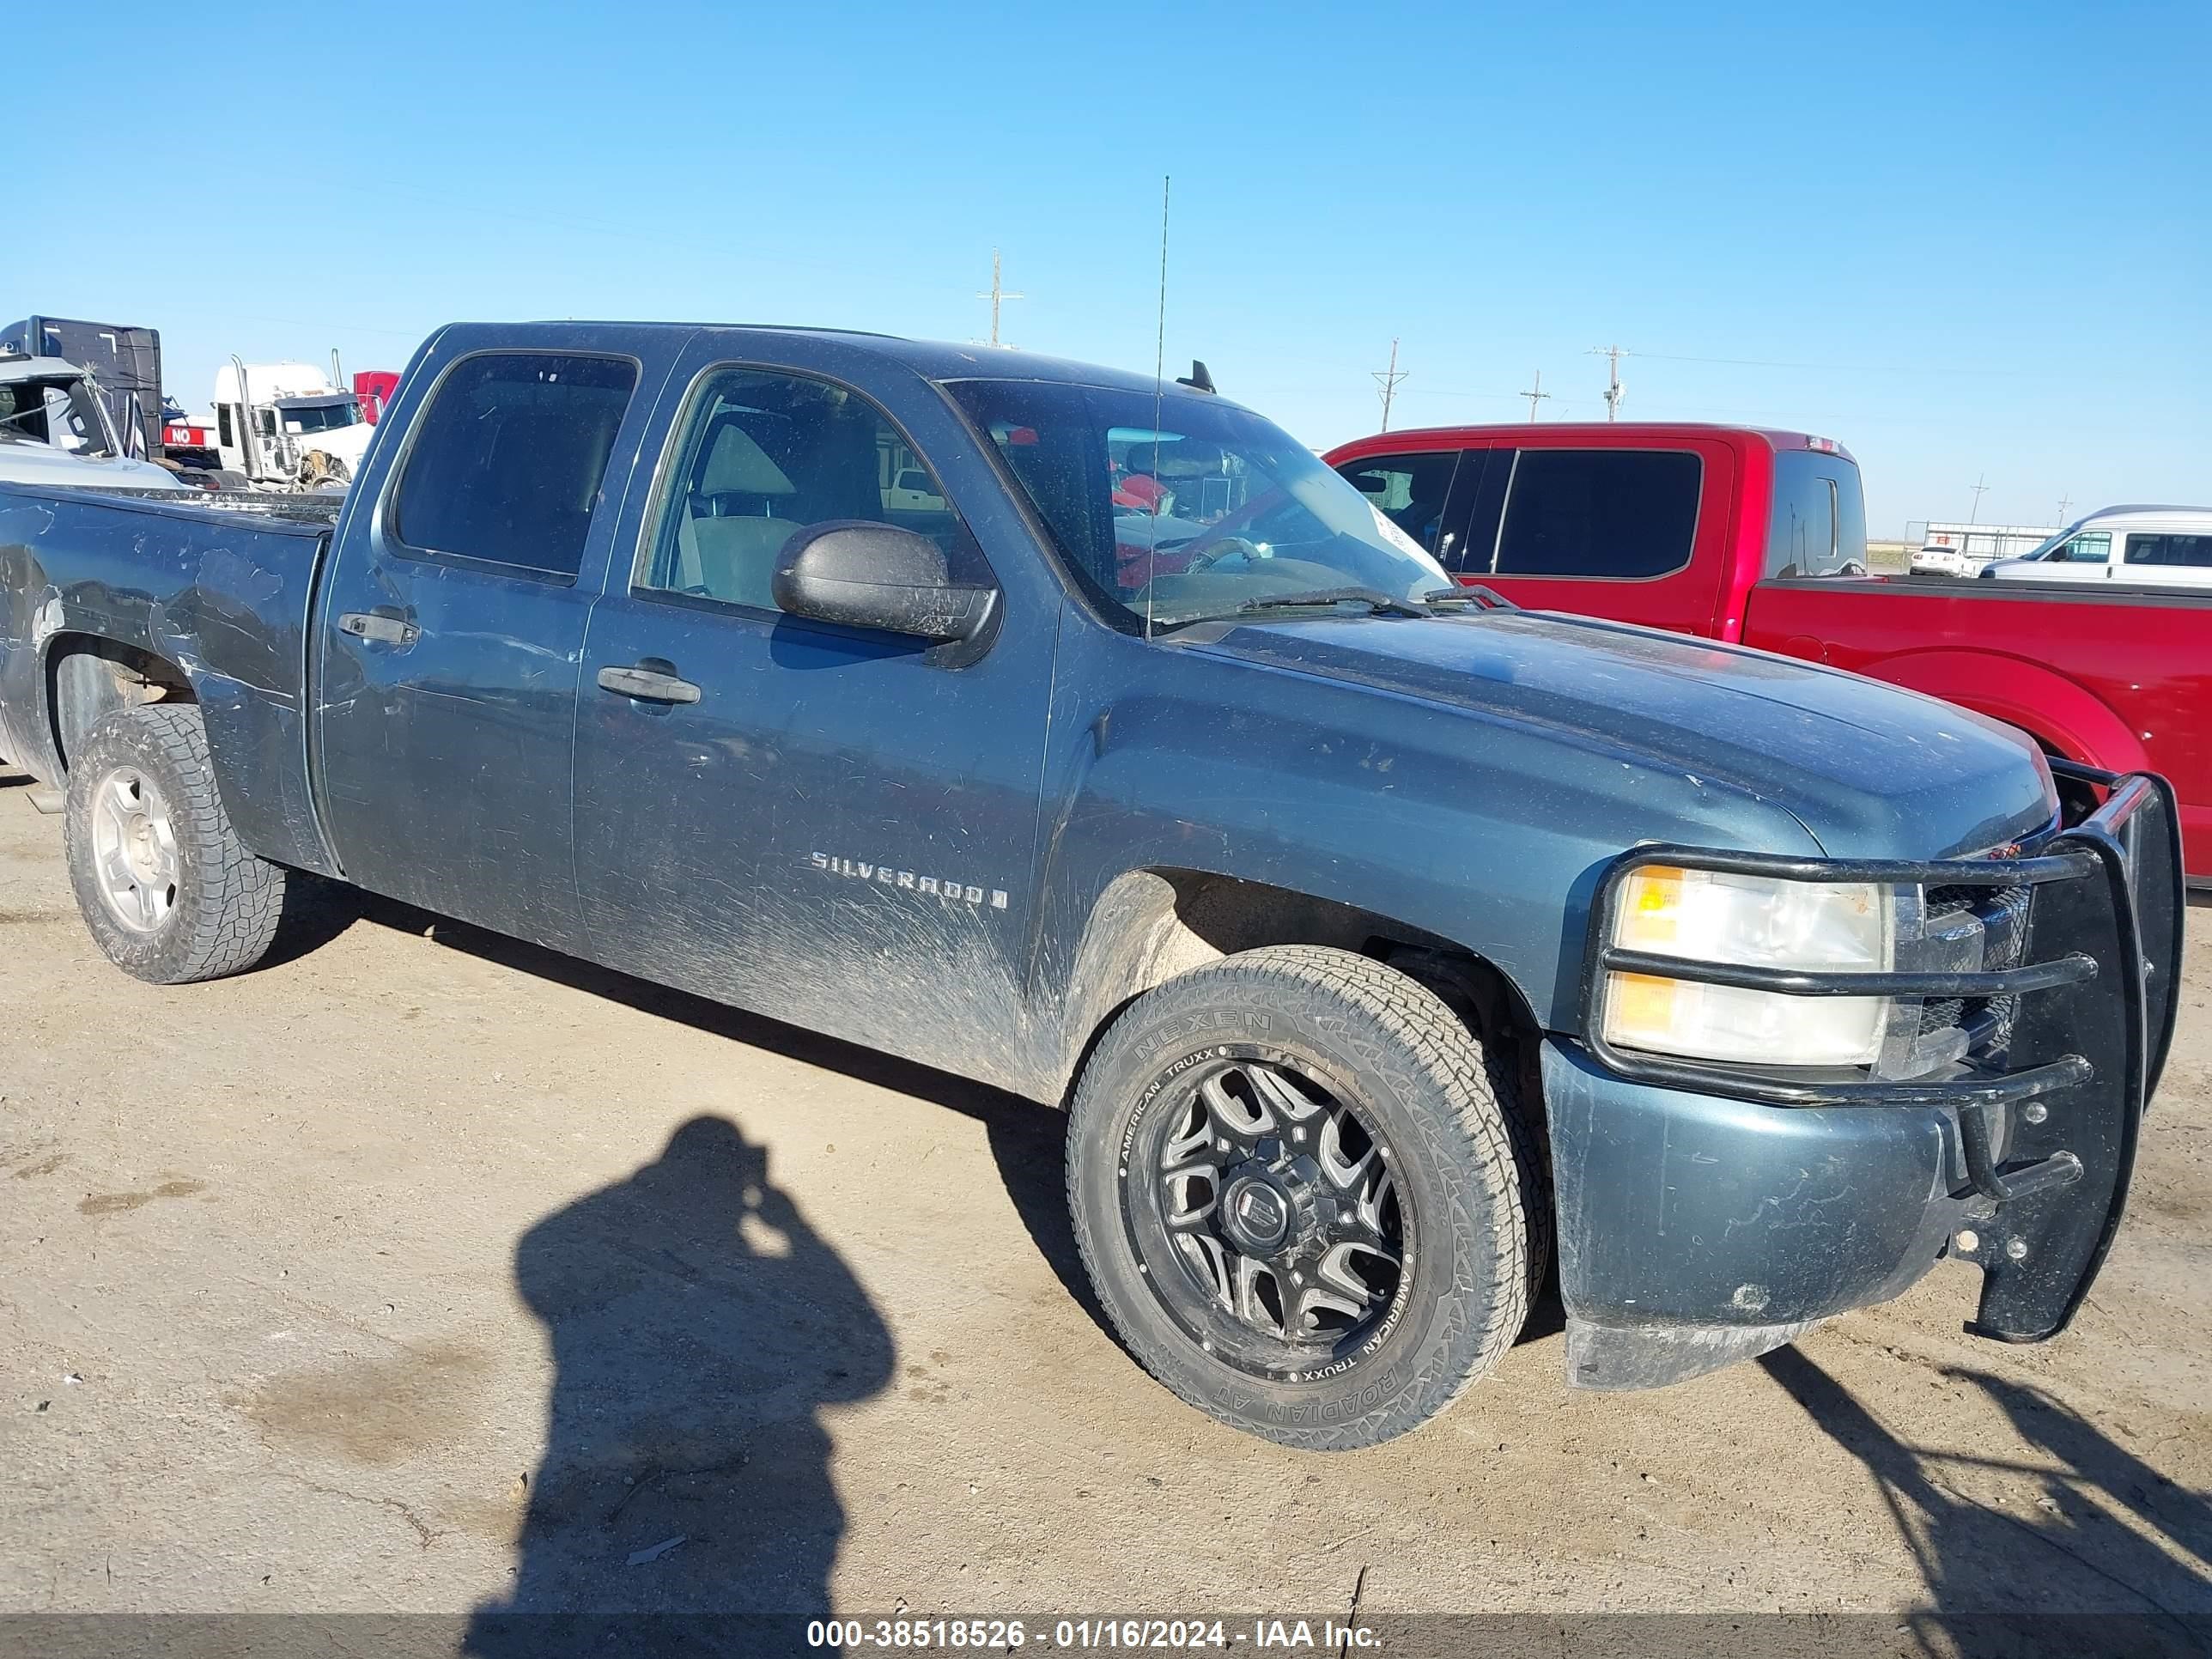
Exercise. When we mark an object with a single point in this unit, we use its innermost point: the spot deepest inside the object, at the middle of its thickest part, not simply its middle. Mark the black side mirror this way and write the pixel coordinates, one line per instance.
(864, 575)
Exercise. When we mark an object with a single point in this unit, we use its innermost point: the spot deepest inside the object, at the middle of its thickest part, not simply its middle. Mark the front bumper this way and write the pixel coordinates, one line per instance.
(1709, 1213)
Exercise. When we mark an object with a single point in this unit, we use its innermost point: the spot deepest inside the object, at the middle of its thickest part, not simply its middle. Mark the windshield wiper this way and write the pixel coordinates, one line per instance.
(1377, 602)
(1467, 594)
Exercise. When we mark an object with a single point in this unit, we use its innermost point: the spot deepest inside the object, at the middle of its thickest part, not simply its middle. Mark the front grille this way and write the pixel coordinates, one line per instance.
(1942, 1016)
(2074, 1030)
(1987, 1021)
(1961, 927)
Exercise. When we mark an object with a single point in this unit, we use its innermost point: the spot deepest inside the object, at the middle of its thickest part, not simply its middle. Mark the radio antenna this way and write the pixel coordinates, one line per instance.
(1159, 391)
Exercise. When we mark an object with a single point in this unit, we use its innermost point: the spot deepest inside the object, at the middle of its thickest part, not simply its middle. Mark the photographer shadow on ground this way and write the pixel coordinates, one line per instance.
(699, 1326)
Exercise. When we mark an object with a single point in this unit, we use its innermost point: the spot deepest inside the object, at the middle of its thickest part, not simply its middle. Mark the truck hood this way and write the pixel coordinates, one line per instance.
(1871, 771)
(43, 464)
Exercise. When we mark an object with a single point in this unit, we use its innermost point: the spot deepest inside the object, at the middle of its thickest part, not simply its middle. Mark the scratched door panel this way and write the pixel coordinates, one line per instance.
(452, 625)
(832, 826)
(838, 832)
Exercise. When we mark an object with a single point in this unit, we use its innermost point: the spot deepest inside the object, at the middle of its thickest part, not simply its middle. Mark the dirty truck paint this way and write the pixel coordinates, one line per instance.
(1464, 779)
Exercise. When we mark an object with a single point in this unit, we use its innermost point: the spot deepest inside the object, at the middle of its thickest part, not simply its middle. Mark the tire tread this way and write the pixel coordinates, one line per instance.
(1481, 1129)
(228, 917)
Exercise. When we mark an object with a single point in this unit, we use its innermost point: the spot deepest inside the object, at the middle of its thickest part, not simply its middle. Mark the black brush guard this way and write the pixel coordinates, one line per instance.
(2046, 1132)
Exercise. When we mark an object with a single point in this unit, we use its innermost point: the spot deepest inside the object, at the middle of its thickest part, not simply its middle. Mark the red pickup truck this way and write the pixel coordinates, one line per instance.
(1759, 537)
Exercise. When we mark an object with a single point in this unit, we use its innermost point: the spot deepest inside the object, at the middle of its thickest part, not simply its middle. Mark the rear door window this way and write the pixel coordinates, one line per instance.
(2169, 549)
(1622, 514)
(505, 467)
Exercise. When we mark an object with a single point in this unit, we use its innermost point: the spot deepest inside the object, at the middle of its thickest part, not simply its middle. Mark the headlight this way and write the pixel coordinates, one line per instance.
(1758, 922)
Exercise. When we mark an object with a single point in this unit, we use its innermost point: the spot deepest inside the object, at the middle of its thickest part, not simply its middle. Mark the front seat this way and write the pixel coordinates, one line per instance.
(729, 551)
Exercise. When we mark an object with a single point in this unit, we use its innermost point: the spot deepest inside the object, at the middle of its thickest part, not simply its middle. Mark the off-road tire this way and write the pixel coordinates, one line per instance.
(1450, 1111)
(228, 902)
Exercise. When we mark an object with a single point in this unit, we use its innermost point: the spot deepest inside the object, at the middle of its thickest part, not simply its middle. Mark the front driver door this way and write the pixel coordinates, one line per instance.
(833, 827)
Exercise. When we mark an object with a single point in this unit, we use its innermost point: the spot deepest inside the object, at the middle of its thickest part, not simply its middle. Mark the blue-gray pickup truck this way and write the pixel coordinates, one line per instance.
(1084, 735)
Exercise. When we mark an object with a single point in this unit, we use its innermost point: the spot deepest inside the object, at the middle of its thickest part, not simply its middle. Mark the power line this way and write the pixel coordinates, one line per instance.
(1535, 394)
(1612, 355)
(1974, 372)
(1386, 382)
(997, 295)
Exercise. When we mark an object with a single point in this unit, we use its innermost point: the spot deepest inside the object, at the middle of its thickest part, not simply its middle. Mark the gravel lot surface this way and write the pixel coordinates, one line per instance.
(425, 1271)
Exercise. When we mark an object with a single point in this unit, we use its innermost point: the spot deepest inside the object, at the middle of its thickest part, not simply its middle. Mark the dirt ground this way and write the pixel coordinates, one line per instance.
(425, 1271)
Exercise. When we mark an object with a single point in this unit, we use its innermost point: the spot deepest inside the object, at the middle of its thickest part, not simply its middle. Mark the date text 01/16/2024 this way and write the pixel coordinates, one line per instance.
(1126, 1635)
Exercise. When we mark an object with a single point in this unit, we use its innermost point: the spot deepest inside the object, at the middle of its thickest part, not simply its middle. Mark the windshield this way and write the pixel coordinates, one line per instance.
(1174, 510)
(2049, 547)
(317, 418)
(65, 414)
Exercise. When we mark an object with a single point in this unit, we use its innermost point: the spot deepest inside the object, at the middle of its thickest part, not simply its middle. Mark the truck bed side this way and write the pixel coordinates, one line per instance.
(2120, 680)
(213, 600)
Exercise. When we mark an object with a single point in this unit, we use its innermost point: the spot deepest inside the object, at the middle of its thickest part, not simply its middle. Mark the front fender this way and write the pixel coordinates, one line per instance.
(1484, 835)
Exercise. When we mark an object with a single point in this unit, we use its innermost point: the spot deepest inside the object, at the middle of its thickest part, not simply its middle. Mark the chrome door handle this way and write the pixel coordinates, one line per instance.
(379, 626)
(647, 684)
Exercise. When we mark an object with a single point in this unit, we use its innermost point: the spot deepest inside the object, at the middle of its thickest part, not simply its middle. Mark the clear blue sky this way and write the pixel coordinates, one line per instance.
(1963, 240)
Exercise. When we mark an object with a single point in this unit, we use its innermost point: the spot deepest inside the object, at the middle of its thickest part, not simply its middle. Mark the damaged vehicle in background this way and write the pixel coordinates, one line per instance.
(1087, 737)
(279, 426)
(55, 429)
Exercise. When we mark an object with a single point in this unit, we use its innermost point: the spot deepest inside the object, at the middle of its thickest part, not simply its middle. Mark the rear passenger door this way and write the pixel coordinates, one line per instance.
(452, 633)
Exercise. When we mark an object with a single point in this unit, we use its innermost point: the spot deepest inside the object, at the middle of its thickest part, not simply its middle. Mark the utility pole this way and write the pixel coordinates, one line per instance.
(1386, 382)
(1978, 487)
(1535, 394)
(997, 294)
(2064, 502)
(1612, 355)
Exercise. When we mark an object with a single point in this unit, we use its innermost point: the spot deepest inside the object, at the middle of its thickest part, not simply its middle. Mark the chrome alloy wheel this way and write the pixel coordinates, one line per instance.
(134, 850)
(1289, 1243)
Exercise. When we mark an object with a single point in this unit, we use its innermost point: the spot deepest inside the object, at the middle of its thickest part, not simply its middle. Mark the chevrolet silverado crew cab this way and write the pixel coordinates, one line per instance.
(1759, 537)
(1088, 737)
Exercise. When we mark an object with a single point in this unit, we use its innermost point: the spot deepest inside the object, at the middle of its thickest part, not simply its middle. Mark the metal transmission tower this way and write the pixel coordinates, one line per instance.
(1978, 487)
(1386, 382)
(1614, 389)
(1535, 394)
(996, 296)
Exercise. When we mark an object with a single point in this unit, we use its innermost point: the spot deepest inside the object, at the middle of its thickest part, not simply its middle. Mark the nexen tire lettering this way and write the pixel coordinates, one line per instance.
(1201, 1024)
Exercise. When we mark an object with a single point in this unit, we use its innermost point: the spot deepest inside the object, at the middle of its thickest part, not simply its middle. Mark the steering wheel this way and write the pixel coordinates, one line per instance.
(1217, 548)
